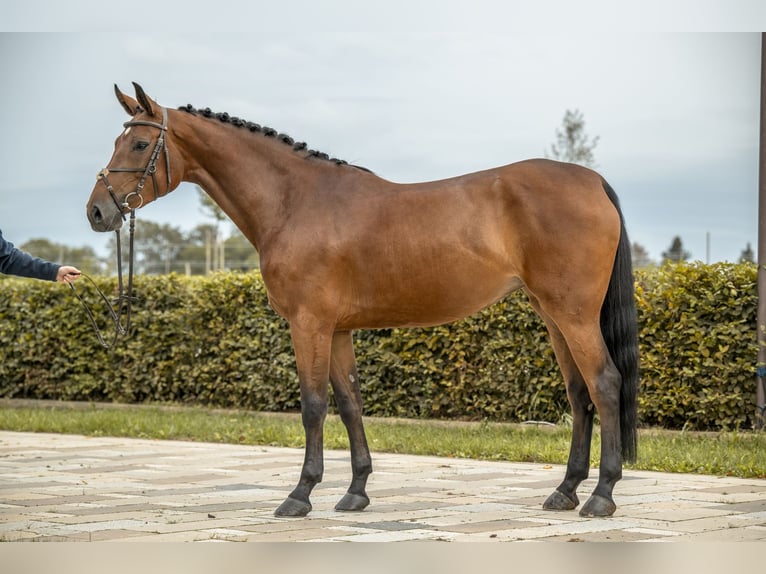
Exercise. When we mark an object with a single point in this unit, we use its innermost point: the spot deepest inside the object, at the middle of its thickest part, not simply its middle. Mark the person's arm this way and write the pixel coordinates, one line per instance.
(16, 262)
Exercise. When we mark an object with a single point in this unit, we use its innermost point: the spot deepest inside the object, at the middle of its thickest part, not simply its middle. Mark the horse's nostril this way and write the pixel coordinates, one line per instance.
(96, 214)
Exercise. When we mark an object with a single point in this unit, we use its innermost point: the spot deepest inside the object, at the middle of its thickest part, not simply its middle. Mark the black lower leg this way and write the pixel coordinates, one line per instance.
(610, 468)
(578, 465)
(345, 384)
(298, 503)
(361, 463)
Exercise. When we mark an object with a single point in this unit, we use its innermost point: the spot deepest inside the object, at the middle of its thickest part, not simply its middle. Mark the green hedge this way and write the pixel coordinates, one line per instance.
(214, 341)
(698, 346)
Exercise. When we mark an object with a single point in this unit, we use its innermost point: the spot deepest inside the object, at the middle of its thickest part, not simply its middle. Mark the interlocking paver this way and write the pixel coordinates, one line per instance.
(75, 488)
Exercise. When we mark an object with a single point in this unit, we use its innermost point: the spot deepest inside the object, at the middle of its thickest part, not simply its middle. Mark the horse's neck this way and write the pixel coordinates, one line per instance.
(251, 177)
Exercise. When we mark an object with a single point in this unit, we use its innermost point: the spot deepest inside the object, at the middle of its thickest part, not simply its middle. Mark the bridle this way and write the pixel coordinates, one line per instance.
(125, 299)
(150, 169)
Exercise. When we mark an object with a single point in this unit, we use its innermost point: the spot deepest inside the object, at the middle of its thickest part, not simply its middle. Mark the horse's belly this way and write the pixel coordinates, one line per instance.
(436, 304)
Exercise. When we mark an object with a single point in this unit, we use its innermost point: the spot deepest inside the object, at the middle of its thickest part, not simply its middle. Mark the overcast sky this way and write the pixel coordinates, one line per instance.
(424, 91)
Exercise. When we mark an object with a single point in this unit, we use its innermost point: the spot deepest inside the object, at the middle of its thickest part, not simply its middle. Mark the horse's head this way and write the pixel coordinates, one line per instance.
(139, 171)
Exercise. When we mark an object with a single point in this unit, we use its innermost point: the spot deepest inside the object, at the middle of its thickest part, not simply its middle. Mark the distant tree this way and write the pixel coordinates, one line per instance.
(215, 246)
(240, 253)
(676, 252)
(572, 144)
(84, 258)
(747, 255)
(157, 248)
(45, 249)
(161, 248)
(210, 207)
(196, 254)
(640, 256)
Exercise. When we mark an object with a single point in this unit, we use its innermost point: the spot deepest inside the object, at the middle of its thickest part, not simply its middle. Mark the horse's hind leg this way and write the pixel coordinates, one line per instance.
(602, 386)
(345, 384)
(595, 382)
(565, 496)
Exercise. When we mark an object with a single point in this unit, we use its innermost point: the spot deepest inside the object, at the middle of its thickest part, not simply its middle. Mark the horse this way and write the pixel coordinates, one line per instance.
(343, 249)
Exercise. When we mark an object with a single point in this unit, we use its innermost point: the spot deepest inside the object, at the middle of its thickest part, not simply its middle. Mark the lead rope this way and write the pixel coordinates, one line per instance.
(124, 302)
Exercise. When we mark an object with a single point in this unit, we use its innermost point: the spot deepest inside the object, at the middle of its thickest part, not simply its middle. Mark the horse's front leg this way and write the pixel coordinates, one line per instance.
(312, 346)
(345, 385)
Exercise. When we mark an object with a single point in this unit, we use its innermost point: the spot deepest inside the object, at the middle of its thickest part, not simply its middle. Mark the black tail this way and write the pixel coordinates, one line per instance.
(620, 330)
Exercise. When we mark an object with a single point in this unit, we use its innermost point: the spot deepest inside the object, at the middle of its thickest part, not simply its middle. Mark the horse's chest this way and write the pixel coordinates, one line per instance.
(278, 308)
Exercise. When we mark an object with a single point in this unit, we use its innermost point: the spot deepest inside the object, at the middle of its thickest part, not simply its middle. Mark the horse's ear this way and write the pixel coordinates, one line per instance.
(128, 104)
(144, 100)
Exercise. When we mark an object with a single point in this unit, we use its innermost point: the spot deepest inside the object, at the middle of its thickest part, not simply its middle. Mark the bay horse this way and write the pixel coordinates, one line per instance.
(342, 249)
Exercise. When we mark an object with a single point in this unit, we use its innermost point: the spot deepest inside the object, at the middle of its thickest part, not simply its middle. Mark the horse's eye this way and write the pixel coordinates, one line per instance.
(140, 146)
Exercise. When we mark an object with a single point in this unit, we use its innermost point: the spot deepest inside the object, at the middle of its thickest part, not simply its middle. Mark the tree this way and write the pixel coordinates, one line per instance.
(215, 246)
(747, 255)
(157, 247)
(161, 248)
(210, 207)
(240, 253)
(84, 258)
(572, 144)
(640, 256)
(196, 253)
(676, 252)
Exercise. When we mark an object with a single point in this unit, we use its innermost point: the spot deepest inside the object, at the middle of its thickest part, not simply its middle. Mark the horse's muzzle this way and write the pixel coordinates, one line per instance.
(103, 218)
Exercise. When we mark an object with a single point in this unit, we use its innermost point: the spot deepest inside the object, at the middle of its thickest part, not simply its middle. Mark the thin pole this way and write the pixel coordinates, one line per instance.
(760, 398)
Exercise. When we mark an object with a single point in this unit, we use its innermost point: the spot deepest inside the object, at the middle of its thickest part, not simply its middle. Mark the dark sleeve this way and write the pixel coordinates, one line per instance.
(15, 262)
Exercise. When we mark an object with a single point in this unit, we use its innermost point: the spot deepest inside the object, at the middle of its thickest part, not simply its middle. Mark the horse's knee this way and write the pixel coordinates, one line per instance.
(605, 391)
(313, 410)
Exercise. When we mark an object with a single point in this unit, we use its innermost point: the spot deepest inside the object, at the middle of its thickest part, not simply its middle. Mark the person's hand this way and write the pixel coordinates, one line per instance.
(68, 274)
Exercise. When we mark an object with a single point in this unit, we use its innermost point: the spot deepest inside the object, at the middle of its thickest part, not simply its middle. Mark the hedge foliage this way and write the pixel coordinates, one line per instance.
(698, 345)
(214, 341)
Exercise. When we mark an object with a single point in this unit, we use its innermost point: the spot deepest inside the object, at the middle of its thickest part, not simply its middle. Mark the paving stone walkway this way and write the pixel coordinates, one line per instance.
(76, 488)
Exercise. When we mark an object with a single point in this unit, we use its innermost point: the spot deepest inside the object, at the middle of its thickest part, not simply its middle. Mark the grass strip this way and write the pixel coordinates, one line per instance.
(740, 454)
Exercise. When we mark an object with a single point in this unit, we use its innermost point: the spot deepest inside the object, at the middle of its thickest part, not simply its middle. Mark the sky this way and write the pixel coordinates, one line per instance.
(415, 91)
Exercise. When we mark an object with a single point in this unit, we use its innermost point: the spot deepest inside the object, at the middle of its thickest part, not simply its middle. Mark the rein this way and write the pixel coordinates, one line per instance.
(125, 299)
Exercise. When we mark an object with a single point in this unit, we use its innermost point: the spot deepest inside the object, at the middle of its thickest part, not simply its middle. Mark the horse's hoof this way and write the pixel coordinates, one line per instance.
(292, 507)
(560, 501)
(598, 506)
(353, 502)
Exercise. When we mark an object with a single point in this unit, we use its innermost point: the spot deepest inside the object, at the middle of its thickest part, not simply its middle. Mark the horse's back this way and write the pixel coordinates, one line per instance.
(430, 253)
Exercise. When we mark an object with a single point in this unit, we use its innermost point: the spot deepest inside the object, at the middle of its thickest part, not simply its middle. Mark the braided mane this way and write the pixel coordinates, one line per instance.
(267, 132)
